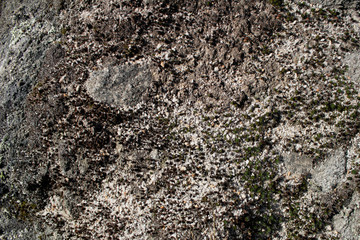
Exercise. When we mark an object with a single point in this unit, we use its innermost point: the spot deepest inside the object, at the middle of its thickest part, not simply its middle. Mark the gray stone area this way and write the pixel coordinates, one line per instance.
(297, 164)
(27, 31)
(330, 172)
(347, 222)
(351, 4)
(352, 61)
(26, 34)
(119, 86)
(12, 229)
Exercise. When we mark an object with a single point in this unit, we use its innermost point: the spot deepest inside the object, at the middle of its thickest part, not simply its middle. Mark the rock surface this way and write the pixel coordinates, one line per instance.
(179, 119)
(347, 221)
(352, 4)
(331, 172)
(119, 85)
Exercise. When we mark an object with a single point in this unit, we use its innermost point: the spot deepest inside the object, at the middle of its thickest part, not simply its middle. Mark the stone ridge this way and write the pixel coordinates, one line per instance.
(179, 119)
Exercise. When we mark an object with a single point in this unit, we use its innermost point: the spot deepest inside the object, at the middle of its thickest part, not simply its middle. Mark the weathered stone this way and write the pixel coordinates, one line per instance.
(352, 61)
(347, 222)
(119, 86)
(331, 172)
(297, 164)
(338, 3)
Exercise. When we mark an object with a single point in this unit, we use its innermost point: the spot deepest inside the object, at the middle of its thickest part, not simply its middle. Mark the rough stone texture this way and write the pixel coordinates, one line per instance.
(178, 120)
(351, 4)
(27, 30)
(300, 165)
(119, 86)
(347, 222)
(13, 229)
(330, 172)
(352, 60)
(26, 35)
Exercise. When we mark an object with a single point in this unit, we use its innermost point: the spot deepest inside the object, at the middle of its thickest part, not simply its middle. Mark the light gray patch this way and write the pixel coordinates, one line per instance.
(352, 61)
(119, 86)
(330, 172)
(347, 222)
(338, 3)
(297, 164)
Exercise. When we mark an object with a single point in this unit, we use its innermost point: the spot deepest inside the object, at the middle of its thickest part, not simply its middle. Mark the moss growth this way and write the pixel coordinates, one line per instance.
(2, 176)
(277, 3)
(64, 30)
(22, 209)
